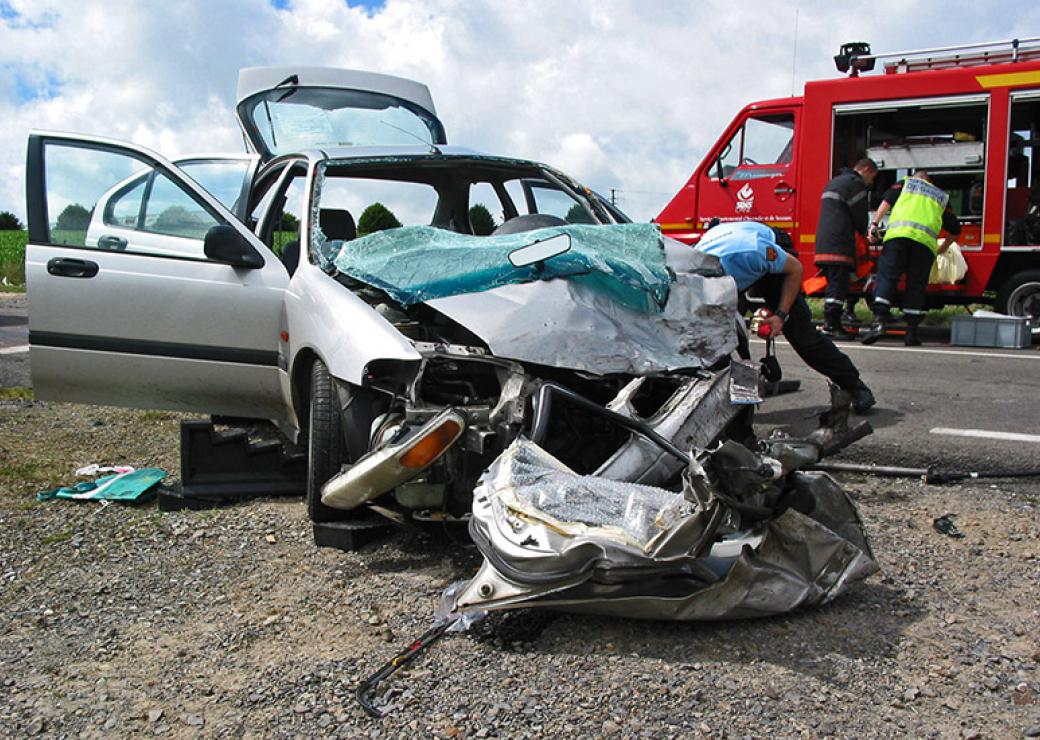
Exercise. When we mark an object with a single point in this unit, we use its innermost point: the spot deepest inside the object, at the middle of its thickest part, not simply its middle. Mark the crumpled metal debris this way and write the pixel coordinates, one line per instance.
(562, 323)
(553, 538)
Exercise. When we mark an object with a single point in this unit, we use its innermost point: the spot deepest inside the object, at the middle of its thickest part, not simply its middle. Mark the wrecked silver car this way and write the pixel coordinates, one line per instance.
(537, 333)
(428, 321)
(401, 308)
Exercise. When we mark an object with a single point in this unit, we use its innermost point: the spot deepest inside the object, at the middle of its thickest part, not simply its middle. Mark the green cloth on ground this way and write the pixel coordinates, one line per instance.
(135, 486)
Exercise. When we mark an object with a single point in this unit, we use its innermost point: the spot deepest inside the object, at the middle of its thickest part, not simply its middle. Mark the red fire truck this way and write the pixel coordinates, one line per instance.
(970, 115)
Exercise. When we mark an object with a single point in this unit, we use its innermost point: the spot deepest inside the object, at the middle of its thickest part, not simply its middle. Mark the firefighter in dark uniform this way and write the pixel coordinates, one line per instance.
(843, 214)
(755, 255)
(919, 210)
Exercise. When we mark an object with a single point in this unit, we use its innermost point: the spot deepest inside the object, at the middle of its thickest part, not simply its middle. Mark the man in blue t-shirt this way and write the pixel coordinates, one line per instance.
(753, 254)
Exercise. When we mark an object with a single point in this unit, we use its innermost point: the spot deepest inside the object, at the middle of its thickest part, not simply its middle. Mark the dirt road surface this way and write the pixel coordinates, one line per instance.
(125, 621)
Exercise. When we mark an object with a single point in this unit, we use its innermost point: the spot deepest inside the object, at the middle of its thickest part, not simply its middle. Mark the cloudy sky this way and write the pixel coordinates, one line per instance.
(622, 94)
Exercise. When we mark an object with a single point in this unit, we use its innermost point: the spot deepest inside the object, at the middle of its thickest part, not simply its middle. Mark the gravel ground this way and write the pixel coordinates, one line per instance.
(124, 620)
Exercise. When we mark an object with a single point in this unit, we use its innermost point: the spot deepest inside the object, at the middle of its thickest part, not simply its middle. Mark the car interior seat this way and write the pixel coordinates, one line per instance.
(528, 222)
(336, 223)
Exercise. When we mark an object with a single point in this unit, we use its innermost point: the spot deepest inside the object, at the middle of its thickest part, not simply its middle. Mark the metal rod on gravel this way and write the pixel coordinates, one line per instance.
(887, 470)
(928, 475)
(366, 689)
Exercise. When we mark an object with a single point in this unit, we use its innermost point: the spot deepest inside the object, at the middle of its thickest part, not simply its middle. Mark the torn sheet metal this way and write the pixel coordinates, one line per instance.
(563, 323)
(552, 538)
(696, 414)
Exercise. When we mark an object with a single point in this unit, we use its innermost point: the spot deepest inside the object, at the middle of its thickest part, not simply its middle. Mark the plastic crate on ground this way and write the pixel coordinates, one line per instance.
(1010, 332)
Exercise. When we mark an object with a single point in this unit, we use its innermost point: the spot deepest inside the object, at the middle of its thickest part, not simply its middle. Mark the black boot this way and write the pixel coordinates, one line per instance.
(874, 332)
(832, 325)
(862, 399)
(912, 339)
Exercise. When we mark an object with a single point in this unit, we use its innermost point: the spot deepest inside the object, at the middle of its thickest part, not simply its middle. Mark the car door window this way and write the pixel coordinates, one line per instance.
(550, 200)
(760, 148)
(283, 207)
(223, 178)
(767, 140)
(124, 208)
(377, 204)
(516, 192)
(486, 211)
(101, 199)
(169, 210)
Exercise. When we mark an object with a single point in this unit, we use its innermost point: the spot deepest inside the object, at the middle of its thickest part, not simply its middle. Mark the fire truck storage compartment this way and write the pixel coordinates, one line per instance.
(946, 136)
(1022, 211)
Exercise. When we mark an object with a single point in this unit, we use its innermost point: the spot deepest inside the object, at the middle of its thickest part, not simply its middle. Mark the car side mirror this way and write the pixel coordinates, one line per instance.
(719, 174)
(224, 244)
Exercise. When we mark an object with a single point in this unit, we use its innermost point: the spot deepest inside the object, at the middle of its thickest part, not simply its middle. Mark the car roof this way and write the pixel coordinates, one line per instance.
(406, 153)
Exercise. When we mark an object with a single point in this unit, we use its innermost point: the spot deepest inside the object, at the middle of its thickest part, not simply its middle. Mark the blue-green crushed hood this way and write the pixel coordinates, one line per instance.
(623, 300)
(414, 264)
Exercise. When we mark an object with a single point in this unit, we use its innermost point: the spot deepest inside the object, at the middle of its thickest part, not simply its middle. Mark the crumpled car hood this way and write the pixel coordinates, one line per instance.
(568, 324)
(624, 299)
(553, 538)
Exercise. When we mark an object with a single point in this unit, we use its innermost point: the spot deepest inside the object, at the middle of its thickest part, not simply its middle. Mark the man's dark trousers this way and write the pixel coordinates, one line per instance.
(815, 349)
(902, 255)
(837, 274)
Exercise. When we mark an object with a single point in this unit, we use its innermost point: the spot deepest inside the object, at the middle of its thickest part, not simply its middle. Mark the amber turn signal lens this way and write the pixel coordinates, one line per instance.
(430, 447)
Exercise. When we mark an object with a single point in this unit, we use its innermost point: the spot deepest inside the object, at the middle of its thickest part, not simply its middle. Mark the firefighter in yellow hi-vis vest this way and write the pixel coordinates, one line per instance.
(919, 211)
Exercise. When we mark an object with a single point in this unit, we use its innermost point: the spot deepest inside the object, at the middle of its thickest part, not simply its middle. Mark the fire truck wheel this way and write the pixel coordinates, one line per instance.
(1020, 295)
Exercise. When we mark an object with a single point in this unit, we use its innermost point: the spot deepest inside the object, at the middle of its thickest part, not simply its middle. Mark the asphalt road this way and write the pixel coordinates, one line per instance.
(14, 340)
(919, 391)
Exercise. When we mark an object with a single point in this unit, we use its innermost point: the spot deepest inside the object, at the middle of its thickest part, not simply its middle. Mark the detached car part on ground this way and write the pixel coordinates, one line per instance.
(746, 535)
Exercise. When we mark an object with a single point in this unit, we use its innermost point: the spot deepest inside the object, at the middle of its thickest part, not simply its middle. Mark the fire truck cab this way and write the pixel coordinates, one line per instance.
(969, 115)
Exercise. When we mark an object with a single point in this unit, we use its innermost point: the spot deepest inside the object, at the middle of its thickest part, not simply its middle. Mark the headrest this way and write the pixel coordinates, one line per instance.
(337, 223)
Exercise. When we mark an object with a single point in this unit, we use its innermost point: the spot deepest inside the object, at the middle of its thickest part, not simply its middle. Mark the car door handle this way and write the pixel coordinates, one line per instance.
(69, 267)
(111, 242)
(783, 189)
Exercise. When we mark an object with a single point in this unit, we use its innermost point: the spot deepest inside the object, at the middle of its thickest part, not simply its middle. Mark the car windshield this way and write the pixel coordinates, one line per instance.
(303, 118)
(468, 195)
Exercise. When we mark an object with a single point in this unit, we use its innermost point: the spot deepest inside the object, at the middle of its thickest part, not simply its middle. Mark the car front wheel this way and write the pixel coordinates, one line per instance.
(337, 432)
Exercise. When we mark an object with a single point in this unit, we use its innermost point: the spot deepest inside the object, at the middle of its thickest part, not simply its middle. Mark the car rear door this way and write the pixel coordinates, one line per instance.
(126, 309)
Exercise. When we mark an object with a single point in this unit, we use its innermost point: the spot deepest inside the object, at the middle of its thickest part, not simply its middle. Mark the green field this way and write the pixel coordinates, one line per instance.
(12, 258)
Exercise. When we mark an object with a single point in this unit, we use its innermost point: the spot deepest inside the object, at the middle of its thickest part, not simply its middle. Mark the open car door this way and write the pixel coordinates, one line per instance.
(290, 109)
(144, 290)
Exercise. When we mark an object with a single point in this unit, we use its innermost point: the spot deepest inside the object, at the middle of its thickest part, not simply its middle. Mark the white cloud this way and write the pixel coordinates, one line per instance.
(625, 94)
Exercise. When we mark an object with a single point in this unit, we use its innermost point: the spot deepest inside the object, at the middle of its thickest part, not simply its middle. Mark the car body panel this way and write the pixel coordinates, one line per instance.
(345, 332)
(151, 330)
(287, 109)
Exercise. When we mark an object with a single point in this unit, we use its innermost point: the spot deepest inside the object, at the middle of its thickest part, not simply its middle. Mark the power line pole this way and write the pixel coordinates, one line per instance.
(613, 197)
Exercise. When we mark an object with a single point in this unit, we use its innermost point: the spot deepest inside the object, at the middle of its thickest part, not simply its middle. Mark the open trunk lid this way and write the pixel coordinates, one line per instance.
(289, 109)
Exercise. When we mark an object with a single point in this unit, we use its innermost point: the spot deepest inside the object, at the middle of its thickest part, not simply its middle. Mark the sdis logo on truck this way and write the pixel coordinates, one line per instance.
(970, 115)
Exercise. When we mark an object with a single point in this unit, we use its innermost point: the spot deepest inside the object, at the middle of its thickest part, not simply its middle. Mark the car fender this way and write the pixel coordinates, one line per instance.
(326, 318)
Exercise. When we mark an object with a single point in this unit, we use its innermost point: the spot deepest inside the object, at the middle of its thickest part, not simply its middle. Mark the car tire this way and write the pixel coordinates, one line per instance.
(1020, 295)
(325, 448)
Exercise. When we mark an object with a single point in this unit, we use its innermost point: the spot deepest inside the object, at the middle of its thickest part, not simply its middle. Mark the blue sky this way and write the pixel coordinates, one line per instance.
(623, 94)
(369, 5)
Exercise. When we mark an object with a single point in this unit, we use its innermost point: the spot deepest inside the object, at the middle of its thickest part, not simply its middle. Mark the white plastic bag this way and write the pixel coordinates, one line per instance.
(949, 267)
